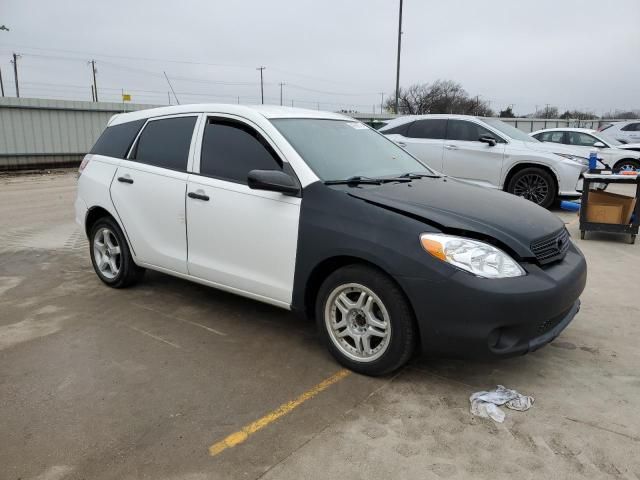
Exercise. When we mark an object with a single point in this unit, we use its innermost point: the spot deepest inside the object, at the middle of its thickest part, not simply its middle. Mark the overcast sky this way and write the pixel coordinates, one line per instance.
(581, 54)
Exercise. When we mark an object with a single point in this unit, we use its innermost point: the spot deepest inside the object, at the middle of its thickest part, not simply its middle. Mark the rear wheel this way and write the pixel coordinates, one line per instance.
(365, 320)
(534, 184)
(110, 255)
(626, 164)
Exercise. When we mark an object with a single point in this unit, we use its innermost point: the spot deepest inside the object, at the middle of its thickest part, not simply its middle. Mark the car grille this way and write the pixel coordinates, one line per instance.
(551, 248)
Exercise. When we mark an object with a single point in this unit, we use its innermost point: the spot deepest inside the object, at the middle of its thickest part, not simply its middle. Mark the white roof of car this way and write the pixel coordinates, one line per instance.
(565, 129)
(246, 111)
(412, 118)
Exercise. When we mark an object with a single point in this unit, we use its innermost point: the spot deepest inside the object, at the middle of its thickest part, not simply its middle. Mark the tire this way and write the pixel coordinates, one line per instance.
(370, 301)
(110, 255)
(626, 164)
(534, 184)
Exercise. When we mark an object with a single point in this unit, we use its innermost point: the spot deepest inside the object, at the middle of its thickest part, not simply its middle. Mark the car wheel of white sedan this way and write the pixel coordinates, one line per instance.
(365, 320)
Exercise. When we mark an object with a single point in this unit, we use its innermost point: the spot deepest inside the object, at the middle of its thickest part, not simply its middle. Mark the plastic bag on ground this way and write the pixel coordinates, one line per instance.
(486, 404)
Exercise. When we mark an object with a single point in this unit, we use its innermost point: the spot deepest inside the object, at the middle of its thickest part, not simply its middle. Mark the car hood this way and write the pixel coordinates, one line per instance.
(459, 207)
(629, 146)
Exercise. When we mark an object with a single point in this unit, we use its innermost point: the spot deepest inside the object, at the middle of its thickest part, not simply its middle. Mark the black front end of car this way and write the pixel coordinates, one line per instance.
(479, 317)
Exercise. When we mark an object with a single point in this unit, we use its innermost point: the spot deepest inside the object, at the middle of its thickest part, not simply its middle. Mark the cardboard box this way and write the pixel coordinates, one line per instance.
(606, 207)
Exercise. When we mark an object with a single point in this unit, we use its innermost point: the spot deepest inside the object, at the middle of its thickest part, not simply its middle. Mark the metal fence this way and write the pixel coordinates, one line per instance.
(39, 133)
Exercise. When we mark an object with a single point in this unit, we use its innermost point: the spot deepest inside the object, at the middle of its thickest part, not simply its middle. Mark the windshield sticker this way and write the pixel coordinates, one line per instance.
(357, 125)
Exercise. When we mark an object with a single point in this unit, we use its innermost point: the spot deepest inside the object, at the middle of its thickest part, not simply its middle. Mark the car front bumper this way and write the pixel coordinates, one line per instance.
(467, 316)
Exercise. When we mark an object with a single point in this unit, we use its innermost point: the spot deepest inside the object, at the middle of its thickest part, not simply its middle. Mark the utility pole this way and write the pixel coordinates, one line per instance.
(282, 84)
(238, 99)
(15, 73)
(261, 84)
(381, 102)
(93, 95)
(169, 97)
(398, 63)
(95, 85)
(1, 84)
(292, 102)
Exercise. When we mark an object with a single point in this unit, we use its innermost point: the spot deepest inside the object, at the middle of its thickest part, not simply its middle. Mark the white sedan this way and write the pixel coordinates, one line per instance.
(627, 132)
(582, 140)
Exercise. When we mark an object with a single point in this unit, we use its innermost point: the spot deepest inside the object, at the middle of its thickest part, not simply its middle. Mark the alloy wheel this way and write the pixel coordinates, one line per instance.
(358, 322)
(532, 187)
(106, 253)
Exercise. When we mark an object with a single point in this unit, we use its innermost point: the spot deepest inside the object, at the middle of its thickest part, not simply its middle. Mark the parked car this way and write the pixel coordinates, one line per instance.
(317, 213)
(492, 153)
(582, 140)
(627, 132)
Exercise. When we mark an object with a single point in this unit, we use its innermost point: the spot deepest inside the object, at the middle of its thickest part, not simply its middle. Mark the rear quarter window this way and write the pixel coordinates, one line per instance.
(115, 141)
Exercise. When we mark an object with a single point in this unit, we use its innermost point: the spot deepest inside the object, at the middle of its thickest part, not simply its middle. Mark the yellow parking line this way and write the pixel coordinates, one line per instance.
(248, 430)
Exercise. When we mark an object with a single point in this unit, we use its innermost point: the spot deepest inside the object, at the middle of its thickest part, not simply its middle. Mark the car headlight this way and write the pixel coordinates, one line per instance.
(575, 158)
(478, 258)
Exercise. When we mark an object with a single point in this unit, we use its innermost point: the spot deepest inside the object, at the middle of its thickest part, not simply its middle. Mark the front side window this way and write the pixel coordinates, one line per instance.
(340, 149)
(401, 129)
(165, 143)
(434, 129)
(581, 139)
(632, 127)
(554, 137)
(468, 131)
(230, 150)
(509, 130)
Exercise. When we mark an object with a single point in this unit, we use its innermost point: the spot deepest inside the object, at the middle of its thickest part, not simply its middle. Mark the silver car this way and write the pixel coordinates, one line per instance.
(490, 152)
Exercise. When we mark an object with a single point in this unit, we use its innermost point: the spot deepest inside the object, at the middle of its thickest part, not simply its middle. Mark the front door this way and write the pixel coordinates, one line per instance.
(467, 158)
(240, 238)
(148, 192)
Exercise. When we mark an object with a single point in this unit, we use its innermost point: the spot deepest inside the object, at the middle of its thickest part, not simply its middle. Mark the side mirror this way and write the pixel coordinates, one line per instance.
(599, 145)
(273, 181)
(488, 139)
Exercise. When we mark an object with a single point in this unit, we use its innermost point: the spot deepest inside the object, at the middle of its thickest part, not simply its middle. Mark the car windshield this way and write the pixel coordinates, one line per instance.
(342, 149)
(608, 139)
(509, 130)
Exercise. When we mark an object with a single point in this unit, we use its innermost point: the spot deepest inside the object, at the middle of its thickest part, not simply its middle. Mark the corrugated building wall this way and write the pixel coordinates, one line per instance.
(48, 133)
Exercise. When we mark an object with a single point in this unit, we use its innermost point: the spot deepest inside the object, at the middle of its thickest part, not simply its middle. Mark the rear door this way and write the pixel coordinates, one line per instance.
(467, 158)
(239, 238)
(425, 140)
(631, 132)
(148, 192)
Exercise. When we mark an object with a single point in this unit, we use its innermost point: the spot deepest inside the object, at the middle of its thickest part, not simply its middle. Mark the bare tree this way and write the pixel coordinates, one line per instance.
(442, 96)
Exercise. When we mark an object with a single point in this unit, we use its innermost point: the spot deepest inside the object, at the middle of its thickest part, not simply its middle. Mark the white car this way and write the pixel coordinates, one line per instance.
(492, 153)
(627, 132)
(583, 140)
(317, 213)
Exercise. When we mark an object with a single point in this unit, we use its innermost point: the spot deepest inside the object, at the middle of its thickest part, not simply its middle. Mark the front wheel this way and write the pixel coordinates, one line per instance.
(627, 164)
(365, 320)
(535, 185)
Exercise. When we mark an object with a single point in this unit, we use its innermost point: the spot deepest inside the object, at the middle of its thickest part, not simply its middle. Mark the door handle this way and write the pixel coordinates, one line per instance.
(451, 147)
(125, 179)
(198, 196)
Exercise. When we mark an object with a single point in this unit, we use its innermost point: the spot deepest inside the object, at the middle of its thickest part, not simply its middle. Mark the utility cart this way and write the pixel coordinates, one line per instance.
(615, 205)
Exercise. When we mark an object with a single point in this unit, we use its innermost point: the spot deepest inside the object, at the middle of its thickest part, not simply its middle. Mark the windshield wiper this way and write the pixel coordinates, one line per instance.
(359, 180)
(355, 180)
(418, 175)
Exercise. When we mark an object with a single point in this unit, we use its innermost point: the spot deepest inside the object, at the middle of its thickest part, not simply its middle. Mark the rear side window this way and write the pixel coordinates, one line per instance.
(165, 143)
(554, 137)
(230, 150)
(428, 129)
(399, 130)
(468, 131)
(115, 141)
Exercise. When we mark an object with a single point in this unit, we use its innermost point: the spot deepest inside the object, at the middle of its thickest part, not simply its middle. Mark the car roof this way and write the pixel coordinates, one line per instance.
(247, 111)
(565, 129)
(412, 118)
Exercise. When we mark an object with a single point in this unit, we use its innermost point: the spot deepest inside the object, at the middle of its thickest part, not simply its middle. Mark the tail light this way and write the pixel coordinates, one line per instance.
(83, 164)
